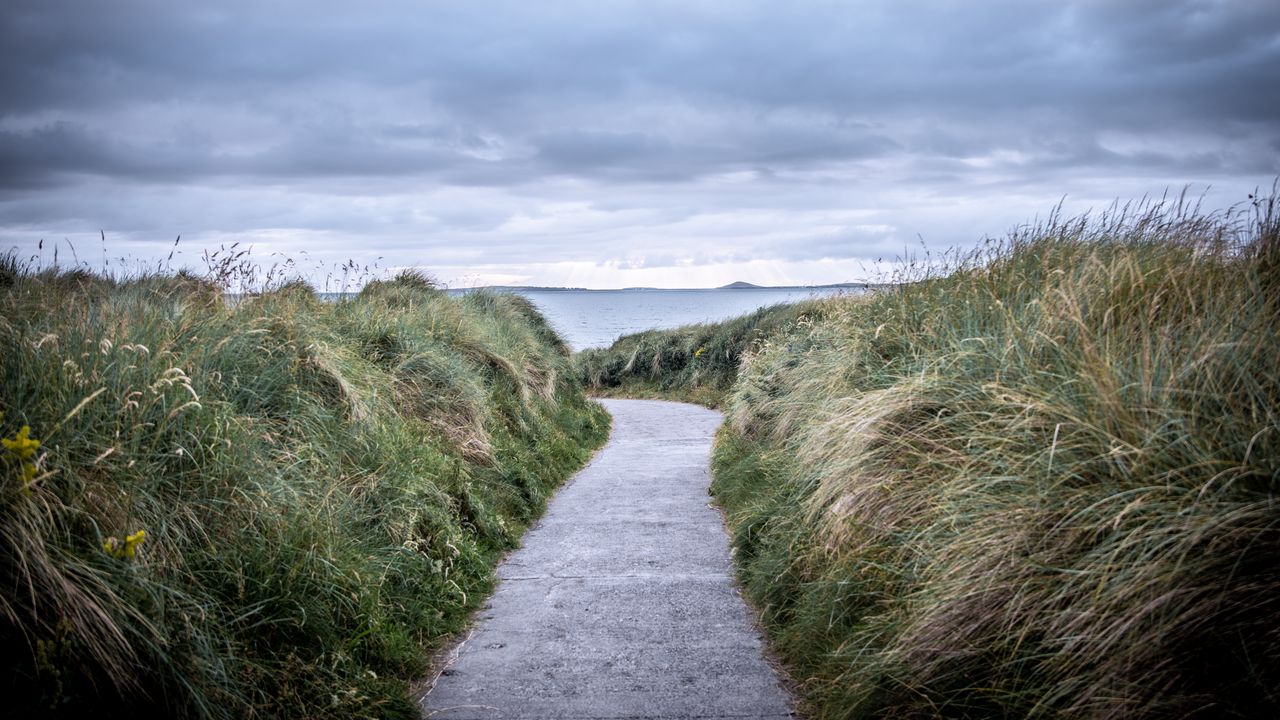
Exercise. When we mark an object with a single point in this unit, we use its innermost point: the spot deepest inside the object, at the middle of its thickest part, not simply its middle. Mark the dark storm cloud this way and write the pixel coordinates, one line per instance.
(374, 112)
(654, 157)
(565, 79)
(54, 152)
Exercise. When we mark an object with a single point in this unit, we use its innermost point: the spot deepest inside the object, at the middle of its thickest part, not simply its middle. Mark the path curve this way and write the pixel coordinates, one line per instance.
(621, 604)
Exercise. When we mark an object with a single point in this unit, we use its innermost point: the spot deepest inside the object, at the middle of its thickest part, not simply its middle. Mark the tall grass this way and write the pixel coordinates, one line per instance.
(323, 488)
(1043, 483)
(697, 363)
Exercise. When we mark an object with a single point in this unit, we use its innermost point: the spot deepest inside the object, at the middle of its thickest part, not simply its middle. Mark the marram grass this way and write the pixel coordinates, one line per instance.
(695, 363)
(1042, 485)
(1043, 482)
(272, 508)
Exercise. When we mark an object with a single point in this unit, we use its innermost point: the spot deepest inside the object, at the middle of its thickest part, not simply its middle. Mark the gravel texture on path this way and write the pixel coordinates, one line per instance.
(621, 603)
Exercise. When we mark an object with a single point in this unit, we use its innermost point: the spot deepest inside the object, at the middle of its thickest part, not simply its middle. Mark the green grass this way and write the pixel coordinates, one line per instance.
(1043, 483)
(695, 363)
(324, 487)
(1040, 481)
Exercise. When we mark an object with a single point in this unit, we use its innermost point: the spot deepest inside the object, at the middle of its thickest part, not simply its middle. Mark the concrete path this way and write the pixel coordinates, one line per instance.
(621, 604)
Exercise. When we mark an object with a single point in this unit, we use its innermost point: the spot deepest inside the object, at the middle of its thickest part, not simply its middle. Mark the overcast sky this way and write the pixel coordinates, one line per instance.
(609, 143)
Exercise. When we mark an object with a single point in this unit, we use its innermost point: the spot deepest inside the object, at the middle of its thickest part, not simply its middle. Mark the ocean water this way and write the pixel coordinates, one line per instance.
(595, 318)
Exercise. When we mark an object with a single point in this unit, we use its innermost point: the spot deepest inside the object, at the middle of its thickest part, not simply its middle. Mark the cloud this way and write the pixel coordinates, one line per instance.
(647, 133)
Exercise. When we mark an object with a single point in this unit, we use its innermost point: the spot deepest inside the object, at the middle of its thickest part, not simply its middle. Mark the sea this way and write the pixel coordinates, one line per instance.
(595, 318)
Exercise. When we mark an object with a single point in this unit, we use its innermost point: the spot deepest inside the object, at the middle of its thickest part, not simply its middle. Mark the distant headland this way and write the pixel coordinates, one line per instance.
(740, 285)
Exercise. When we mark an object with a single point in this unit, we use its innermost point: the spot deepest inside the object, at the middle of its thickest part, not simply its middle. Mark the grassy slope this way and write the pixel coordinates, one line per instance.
(696, 363)
(324, 488)
(1042, 485)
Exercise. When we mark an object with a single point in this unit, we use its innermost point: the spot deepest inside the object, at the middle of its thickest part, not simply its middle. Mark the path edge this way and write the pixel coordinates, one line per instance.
(451, 648)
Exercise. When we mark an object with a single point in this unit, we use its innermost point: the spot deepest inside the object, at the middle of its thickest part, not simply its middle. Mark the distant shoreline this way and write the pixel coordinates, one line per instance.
(731, 286)
(744, 288)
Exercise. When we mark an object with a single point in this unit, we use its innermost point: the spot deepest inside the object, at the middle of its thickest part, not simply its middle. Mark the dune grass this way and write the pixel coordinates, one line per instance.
(267, 508)
(1042, 483)
(695, 363)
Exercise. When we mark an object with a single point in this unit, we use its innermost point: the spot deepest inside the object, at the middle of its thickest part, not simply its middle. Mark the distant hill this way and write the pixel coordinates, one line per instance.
(739, 285)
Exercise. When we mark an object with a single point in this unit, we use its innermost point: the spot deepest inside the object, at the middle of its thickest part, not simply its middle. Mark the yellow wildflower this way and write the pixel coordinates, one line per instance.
(700, 351)
(124, 549)
(22, 444)
(132, 542)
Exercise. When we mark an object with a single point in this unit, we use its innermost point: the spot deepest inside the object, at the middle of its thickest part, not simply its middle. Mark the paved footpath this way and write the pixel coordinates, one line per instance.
(621, 604)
